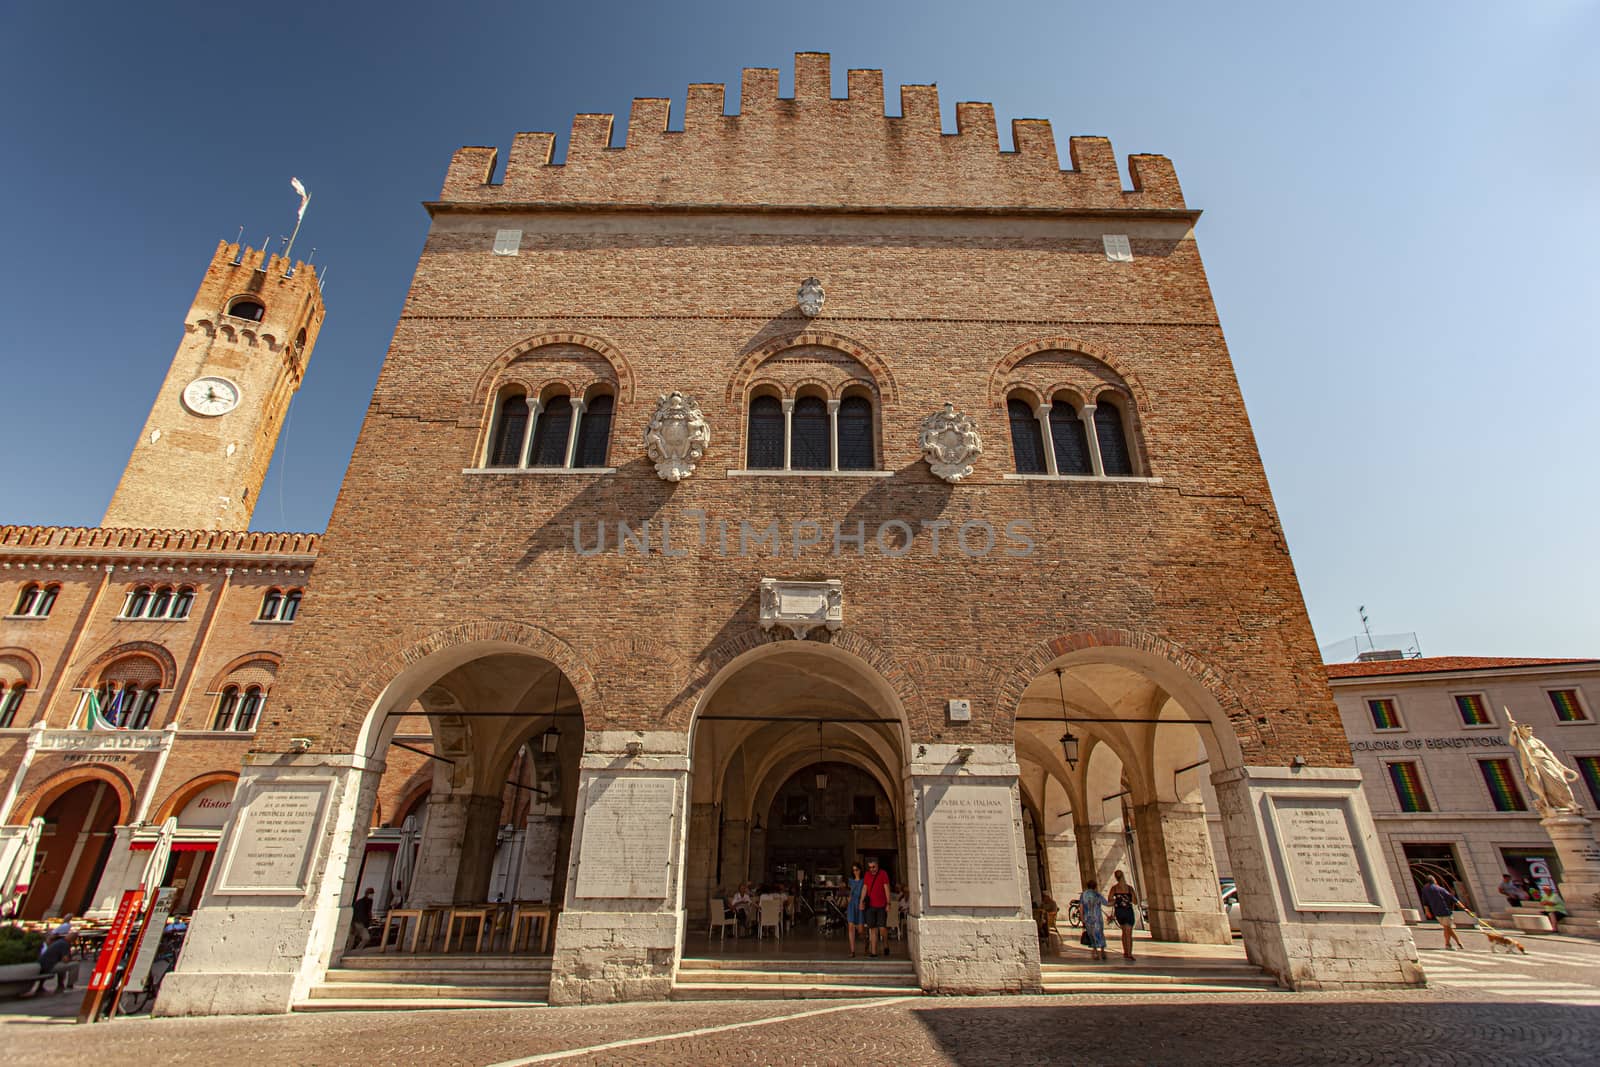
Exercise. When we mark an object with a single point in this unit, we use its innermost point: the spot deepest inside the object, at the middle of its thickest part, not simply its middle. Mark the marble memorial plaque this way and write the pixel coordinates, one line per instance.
(627, 838)
(1319, 853)
(969, 838)
(272, 845)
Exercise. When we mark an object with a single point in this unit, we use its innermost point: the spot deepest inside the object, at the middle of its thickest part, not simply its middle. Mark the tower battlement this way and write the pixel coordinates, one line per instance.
(812, 150)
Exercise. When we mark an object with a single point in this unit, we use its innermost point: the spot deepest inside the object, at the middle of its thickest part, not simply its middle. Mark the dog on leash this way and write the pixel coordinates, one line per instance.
(1497, 939)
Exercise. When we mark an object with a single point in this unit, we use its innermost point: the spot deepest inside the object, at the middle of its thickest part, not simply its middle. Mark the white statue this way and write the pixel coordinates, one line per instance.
(950, 443)
(1549, 780)
(677, 436)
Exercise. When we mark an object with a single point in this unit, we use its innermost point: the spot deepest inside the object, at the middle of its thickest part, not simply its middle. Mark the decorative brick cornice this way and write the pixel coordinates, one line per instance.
(128, 546)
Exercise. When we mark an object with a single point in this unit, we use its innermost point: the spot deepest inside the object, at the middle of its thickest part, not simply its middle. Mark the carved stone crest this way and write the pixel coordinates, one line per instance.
(801, 607)
(677, 436)
(811, 298)
(950, 443)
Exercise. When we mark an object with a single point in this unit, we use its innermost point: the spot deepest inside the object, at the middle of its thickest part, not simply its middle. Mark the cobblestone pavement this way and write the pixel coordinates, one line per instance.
(1482, 1009)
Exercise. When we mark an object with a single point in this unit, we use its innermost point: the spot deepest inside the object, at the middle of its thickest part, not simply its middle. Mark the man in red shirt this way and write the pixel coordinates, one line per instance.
(875, 906)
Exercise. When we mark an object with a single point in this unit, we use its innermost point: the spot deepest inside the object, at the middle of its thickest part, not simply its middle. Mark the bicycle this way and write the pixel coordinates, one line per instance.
(1075, 914)
(135, 1001)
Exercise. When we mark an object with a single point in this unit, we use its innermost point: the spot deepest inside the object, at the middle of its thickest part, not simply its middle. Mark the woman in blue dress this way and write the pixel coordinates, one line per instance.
(852, 911)
(1094, 920)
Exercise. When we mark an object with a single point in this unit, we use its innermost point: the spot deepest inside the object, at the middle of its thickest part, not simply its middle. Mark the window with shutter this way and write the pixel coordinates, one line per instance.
(764, 440)
(1069, 439)
(594, 432)
(550, 434)
(1027, 440)
(810, 447)
(505, 447)
(1115, 459)
(855, 434)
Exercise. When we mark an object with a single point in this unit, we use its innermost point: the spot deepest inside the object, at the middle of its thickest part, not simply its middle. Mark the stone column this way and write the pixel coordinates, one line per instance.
(972, 927)
(578, 405)
(480, 844)
(700, 871)
(277, 905)
(1086, 416)
(619, 934)
(1047, 435)
(1180, 877)
(452, 826)
(1574, 839)
(1104, 851)
(833, 433)
(541, 841)
(1317, 905)
(1061, 859)
(735, 859)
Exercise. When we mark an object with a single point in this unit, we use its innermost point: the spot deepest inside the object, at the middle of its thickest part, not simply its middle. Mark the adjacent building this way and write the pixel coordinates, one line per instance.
(1431, 738)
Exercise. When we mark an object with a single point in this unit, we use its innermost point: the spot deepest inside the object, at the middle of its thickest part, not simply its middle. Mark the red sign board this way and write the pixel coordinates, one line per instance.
(105, 965)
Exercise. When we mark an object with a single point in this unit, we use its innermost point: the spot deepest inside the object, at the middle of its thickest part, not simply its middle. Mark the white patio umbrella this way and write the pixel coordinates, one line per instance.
(405, 860)
(156, 867)
(19, 865)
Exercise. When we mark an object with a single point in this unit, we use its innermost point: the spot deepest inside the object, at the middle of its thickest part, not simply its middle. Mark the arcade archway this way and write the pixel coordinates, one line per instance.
(80, 824)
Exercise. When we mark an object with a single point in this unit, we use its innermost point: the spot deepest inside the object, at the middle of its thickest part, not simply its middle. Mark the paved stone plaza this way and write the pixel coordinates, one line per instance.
(1479, 1009)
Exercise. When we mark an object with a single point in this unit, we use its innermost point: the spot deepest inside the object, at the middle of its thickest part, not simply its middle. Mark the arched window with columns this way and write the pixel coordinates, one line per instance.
(811, 446)
(1115, 457)
(552, 429)
(764, 439)
(1069, 438)
(855, 434)
(510, 430)
(594, 432)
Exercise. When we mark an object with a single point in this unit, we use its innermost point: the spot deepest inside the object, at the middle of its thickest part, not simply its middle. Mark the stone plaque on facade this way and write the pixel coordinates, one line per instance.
(969, 839)
(271, 849)
(627, 838)
(1319, 853)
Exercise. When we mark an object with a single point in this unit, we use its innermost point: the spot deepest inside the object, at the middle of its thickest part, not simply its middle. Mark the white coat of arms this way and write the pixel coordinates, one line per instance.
(677, 437)
(950, 443)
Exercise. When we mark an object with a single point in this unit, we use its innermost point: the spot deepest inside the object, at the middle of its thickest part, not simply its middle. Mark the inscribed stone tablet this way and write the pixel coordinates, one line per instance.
(971, 851)
(271, 848)
(1319, 853)
(627, 838)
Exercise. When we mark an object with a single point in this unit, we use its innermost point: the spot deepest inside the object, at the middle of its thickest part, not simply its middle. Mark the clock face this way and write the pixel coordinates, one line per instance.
(211, 396)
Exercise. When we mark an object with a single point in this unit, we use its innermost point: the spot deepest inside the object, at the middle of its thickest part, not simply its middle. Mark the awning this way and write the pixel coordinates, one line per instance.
(177, 846)
(383, 846)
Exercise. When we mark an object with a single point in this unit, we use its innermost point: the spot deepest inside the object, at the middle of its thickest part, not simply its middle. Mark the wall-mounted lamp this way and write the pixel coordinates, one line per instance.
(299, 744)
(964, 753)
(635, 748)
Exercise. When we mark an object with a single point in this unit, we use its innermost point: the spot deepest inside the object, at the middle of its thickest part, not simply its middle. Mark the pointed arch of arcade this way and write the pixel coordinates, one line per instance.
(473, 412)
(882, 376)
(711, 669)
(179, 797)
(148, 649)
(48, 791)
(385, 685)
(1001, 372)
(1194, 683)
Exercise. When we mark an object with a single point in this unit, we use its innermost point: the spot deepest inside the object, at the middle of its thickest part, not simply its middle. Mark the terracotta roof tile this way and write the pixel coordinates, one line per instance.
(1439, 664)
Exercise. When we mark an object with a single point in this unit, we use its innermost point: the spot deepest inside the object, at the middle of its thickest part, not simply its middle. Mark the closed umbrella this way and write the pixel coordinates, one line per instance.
(19, 866)
(155, 869)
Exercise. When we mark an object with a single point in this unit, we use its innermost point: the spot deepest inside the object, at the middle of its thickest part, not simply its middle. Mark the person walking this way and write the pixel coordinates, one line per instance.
(361, 921)
(852, 908)
(1123, 898)
(1440, 902)
(875, 896)
(1093, 906)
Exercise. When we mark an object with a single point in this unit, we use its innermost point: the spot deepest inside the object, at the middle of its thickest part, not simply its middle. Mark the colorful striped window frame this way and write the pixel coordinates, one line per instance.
(1502, 786)
(1408, 787)
(1474, 709)
(1589, 767)
(1384, 714)
(1566, 704)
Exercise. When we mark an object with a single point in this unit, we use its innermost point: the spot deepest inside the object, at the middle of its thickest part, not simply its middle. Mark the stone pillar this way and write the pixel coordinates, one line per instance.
(735, 853)
(541, 840)
(972, 927)
(619, 934)
(444, 831)
(276, 906)
(1180, 877)
(1317, 905)
(1106, 852)
(700, 871)
(1574, 839)
(480, 841)
(1061, 859)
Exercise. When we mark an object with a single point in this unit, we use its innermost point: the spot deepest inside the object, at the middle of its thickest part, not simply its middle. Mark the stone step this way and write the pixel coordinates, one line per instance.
(419, 1004)
(420, 991)
(1125, 988)
(441, 977)
(1112, 973)
(833, 966)
(907, 980)
(444, 961)
(787, 991)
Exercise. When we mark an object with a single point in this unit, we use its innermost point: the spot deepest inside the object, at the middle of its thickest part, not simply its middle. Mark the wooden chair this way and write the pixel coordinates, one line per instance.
(402, 921)
(460, 916)
(530, 920)
(1052, 933)
(720, 922)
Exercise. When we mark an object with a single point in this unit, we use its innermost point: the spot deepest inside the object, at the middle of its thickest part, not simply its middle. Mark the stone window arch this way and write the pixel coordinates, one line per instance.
(570, 388)
(158, 603)
(280, 605)
(1074, 380)
(37, 600)
(247, 307)
(242, 690)
(17, 673)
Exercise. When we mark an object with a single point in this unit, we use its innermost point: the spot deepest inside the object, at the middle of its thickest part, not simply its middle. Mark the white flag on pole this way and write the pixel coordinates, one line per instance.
(305, 197)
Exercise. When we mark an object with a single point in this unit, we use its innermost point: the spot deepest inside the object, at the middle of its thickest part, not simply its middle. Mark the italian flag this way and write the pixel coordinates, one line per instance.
(94, 720)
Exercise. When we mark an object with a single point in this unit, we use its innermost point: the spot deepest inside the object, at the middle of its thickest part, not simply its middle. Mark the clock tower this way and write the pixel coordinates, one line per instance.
(203, 453)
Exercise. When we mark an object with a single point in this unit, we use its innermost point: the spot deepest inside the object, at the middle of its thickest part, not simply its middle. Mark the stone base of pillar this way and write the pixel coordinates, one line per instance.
(1573, 836)
(1195, 928)
(971, 955)
(259, 953)
(1319, 910)
(606, 957)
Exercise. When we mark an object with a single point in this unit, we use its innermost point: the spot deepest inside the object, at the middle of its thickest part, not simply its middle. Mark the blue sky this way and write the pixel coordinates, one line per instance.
(1401, 215)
